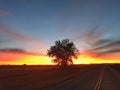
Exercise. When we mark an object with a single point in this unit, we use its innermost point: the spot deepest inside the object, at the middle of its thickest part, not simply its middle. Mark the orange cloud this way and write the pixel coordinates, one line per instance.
(111, 56)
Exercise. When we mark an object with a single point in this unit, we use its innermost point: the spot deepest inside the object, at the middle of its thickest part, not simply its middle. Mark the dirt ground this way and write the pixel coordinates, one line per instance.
(37, 77)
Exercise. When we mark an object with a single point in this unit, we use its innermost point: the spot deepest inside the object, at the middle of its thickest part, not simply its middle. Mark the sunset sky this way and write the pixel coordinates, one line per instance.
(29, 27)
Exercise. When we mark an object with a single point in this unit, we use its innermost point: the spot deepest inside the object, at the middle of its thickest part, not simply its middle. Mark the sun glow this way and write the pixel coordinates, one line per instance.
(44, 60)
(32, 59)
(23, 58)
(91, 60)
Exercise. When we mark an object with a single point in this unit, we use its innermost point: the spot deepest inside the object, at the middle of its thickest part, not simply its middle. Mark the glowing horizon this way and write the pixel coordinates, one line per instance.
(22, 58)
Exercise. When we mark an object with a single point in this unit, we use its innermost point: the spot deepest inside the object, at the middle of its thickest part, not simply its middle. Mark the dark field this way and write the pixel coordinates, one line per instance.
(40, 77)
(36, 77)
(116, 66)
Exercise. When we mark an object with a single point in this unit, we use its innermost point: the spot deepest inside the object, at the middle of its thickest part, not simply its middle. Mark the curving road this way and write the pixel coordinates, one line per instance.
(101, 78)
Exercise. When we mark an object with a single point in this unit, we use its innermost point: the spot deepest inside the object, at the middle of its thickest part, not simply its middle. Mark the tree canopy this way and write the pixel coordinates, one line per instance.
(63, 52)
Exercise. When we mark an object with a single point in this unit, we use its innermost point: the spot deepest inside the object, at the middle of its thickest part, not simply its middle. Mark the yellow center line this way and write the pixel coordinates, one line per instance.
(98, 83)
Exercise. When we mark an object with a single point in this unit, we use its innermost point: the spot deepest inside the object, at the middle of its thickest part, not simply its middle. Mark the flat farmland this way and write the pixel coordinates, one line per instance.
(36, 77)
(115, 66)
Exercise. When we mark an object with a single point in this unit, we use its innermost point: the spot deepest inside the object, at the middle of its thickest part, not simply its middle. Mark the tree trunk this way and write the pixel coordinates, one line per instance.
(64, 63)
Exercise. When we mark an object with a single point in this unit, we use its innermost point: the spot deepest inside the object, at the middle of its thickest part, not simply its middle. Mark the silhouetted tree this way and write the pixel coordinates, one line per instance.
(63, 51)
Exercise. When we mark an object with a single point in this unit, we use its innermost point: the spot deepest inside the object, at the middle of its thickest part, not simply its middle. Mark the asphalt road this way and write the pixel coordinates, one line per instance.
(101, 78)
(111, 79)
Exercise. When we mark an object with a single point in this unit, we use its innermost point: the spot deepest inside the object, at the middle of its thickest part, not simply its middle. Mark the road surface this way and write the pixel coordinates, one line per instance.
(101, 78)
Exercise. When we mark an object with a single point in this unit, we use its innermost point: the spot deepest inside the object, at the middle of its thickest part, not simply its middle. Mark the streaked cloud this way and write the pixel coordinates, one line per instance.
(11, 50)
(11, 33)
(5, 13)
(108, 46)
(32, 43)
(18, 50)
